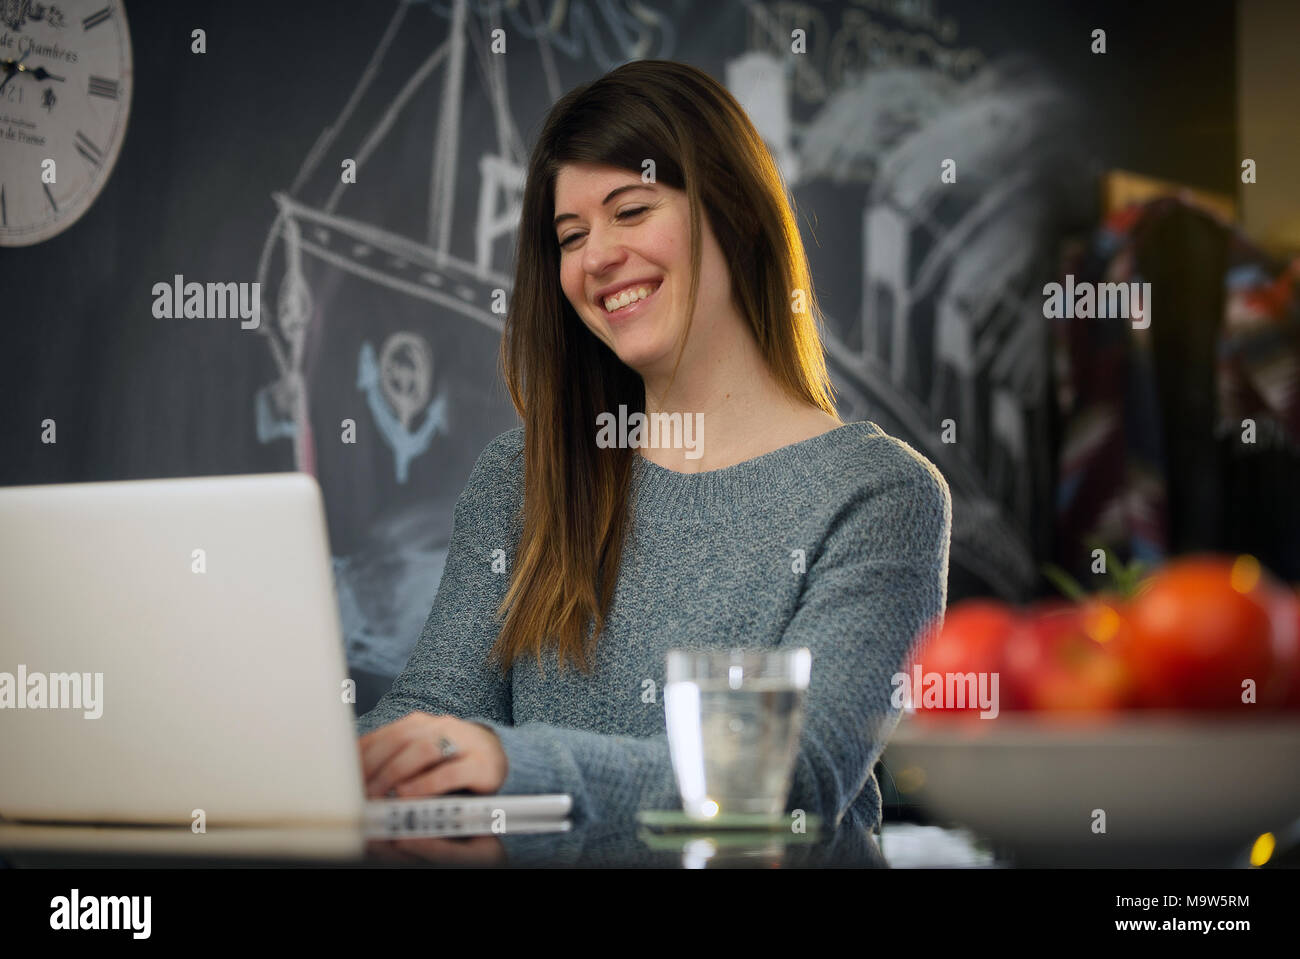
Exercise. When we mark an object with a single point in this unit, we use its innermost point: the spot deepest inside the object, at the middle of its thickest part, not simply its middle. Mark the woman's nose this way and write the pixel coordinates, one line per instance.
(600, 252)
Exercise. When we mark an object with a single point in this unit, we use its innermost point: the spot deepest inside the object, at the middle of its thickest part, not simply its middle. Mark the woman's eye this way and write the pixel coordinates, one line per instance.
(635, 211)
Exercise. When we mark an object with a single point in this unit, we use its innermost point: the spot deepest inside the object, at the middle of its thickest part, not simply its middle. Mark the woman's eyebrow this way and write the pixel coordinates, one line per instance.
(612, 193)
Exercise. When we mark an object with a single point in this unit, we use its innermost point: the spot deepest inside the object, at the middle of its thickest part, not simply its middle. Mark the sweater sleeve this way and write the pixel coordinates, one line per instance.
(877, 580)
(447, 671)
(883, 580)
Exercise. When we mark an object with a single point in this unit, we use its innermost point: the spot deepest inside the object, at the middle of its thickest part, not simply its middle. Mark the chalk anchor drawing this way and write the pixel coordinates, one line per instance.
(396, 385)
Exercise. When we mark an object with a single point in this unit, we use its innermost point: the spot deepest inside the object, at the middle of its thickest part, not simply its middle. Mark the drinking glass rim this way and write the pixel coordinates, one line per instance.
(768, 662)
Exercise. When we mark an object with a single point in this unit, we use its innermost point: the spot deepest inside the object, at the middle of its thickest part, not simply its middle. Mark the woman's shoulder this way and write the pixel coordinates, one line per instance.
(498, 471)
(505, 447)
(872, 460)
(884, 492)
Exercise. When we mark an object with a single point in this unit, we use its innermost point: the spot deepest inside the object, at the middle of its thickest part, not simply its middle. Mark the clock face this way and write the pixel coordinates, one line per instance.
(65, 92)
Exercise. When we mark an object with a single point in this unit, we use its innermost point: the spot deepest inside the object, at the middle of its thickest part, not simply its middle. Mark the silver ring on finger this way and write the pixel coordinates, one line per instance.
(447, 747)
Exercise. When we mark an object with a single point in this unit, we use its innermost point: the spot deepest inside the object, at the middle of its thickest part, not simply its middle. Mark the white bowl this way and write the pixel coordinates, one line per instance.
(1172, 786)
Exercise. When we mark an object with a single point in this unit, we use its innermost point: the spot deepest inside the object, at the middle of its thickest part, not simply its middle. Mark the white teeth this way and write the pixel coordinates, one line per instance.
(628, 296)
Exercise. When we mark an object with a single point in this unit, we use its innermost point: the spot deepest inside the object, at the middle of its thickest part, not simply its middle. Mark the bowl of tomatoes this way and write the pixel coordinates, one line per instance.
(1164, 717)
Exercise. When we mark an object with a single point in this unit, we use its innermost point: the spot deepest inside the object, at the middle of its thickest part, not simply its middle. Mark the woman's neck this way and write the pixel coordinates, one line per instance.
(738, 409)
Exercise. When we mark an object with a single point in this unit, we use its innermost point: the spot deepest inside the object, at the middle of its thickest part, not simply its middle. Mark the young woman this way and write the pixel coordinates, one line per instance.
(576, 564)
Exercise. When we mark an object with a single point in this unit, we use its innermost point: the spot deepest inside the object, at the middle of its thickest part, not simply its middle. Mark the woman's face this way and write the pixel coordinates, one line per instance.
(619, 234)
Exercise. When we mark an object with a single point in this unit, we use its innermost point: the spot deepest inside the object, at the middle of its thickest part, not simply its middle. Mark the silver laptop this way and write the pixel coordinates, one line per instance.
(173, 646)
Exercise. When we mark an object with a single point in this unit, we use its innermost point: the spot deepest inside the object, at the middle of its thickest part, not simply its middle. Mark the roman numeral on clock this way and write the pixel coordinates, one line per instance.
(95, 19)
(4, 209)
(87, 149)
(100, 87)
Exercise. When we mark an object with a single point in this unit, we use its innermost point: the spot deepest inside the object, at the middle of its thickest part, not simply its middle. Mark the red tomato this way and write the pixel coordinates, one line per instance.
(1087, 677)
(1202, 626)
(1030, 648)
(970, 640)
(1063, 658)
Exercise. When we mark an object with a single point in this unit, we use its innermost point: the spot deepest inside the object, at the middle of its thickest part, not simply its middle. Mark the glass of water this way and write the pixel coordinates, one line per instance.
(734, 718)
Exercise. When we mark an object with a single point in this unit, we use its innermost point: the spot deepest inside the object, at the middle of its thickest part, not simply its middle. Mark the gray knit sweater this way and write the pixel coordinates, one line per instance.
(710, 561)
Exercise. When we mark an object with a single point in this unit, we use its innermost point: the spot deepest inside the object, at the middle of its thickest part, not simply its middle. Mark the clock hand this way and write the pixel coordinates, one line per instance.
(12, 67)
(40, 73)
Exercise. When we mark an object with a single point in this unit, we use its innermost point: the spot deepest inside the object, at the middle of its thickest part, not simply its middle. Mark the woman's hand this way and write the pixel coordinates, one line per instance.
(424, 755)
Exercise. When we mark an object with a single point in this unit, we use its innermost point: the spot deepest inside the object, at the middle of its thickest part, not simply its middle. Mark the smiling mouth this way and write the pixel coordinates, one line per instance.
(630, 303)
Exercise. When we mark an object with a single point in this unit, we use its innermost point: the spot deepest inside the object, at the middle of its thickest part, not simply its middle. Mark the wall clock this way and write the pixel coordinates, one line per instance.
(65, 94)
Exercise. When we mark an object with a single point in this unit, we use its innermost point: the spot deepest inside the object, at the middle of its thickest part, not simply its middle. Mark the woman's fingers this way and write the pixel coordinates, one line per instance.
(416, 754)
(381, 745)
(407, 757)
(463, 772)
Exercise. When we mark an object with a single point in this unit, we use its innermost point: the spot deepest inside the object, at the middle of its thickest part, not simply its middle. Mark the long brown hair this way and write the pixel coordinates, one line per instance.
(560, 376)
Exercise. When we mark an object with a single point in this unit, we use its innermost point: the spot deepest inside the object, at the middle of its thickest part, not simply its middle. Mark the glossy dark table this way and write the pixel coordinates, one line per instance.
(621, 843)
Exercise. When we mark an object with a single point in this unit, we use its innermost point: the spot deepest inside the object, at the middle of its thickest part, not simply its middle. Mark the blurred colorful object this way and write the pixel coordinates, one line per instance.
(1184, 436)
